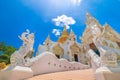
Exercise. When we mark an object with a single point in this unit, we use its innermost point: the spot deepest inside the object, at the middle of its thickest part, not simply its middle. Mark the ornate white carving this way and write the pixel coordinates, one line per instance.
(108, 56)
(19, 57)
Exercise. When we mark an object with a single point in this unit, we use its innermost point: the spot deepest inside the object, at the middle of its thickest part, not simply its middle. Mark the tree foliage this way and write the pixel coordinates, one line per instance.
(6, 52)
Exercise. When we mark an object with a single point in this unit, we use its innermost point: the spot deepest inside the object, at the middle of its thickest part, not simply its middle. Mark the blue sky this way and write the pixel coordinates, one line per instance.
(37, 15)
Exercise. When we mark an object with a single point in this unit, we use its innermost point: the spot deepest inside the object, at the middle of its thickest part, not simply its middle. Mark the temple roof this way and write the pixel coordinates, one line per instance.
(108, 30)
(91, 25)
(64, 36)
(48, 40)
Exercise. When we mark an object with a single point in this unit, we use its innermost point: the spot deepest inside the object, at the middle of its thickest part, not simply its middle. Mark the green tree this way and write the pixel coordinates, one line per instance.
(6, 52)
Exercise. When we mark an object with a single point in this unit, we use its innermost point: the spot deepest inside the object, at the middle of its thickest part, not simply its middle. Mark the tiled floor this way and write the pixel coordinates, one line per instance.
(67, 75)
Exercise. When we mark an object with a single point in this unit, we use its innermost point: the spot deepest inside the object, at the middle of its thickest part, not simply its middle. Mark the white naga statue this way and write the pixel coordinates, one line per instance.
(108, 56)
(21, 56)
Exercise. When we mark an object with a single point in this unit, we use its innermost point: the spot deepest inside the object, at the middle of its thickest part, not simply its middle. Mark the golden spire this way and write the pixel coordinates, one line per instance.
(64, 36)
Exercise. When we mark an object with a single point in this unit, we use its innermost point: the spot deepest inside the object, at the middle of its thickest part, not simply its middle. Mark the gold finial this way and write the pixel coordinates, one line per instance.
(64, 36)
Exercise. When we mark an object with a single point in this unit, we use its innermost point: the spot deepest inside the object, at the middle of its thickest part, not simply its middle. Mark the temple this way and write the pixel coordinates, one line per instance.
(66, 47)
(99, 49)
(96, 36)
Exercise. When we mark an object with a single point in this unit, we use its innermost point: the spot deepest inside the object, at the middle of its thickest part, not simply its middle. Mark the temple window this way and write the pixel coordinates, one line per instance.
(75, 50)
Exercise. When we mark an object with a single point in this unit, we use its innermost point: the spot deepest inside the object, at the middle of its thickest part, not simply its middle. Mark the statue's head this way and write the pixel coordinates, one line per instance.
(31, 35)
(28, 31)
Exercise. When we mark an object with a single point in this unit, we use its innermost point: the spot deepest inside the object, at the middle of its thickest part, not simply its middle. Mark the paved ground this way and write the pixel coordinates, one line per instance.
(67, 75)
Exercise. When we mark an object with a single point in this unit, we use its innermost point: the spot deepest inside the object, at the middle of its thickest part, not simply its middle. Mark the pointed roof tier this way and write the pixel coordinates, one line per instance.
(93, 26)
(110, 33)
(48, 40)
(64, 36)
(71, 32)
(90, 20)
(72, 35)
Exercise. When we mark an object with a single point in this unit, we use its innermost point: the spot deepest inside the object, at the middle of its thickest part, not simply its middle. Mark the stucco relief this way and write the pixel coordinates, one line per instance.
(58, 50)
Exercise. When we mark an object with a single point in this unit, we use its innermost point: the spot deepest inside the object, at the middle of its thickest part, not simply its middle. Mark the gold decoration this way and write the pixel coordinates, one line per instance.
(64, 36)
(75, 48)
(2, 65)
(58, 50)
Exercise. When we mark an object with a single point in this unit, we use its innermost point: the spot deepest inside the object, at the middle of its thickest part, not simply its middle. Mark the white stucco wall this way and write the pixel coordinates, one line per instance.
(47, 63)
(44, 63)
(16, 73)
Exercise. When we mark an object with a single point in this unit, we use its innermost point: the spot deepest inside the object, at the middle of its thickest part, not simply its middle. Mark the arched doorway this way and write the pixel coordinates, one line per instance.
(76, 57)
(58, 56)
(75, 52)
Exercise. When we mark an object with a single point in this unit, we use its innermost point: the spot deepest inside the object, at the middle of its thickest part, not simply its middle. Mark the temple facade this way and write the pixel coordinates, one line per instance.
(99, 48)
(66, 47)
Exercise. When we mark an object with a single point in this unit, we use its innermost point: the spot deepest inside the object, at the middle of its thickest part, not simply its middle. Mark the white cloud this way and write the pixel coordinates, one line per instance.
(76, 2)
(63, 20)
(56, 32)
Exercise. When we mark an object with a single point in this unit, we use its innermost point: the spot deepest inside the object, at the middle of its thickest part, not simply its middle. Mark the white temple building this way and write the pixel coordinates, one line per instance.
(100, 49)
(105, 35)
(66, 47)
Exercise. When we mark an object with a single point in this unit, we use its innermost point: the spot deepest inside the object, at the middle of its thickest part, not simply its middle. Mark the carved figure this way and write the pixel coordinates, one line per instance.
(21, 56)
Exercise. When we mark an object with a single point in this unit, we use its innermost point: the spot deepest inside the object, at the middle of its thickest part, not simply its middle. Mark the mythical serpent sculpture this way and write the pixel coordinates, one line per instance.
(20, 57)
(108, 56)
